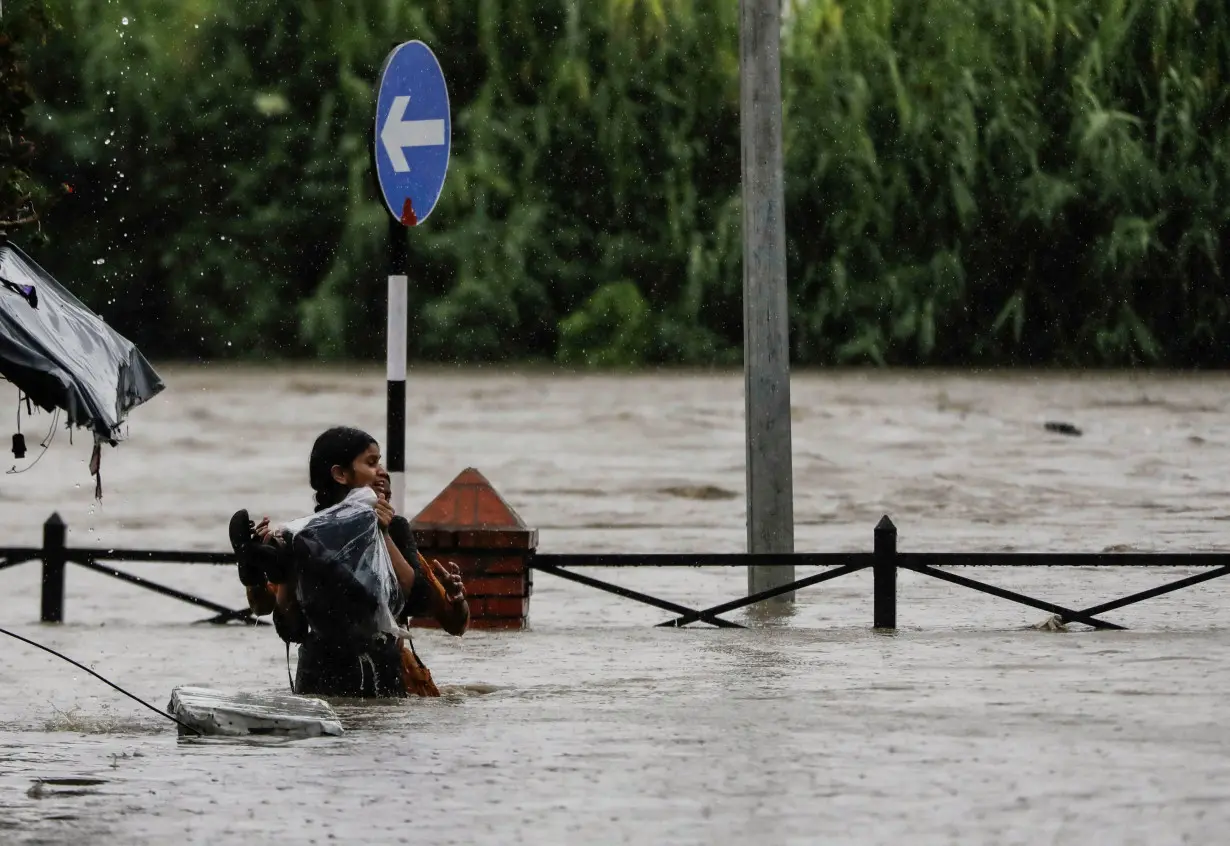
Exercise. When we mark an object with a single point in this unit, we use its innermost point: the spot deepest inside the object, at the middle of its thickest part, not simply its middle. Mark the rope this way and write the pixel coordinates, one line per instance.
(289, 677)
(157, 711)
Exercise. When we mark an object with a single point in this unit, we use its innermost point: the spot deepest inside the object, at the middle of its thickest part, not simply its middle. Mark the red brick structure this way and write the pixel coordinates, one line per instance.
(470, 523)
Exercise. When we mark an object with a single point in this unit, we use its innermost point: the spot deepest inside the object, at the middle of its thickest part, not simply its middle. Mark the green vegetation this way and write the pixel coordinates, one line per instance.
(23, 197)
(968, 182)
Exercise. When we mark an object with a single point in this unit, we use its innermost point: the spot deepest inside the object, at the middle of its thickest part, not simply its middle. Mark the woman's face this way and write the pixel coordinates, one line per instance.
(366, 471)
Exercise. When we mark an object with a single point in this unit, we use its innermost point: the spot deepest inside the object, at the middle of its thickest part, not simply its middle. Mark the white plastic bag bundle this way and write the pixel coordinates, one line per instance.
(344, 578)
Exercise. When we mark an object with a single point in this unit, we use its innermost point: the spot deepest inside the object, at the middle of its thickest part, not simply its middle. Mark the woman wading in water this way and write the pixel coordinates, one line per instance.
(343, 460)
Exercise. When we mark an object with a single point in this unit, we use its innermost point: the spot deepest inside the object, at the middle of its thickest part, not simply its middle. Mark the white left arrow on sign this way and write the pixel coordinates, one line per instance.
(398, 134)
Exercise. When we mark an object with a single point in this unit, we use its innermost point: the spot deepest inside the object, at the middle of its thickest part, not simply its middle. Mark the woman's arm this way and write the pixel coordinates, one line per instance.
(452, 611)
(454, 617)
(437, 591)
(288, 617)
(401, 567)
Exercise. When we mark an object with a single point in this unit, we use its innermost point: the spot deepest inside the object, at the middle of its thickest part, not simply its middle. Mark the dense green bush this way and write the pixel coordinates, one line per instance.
(24, 198)
(1021, 181)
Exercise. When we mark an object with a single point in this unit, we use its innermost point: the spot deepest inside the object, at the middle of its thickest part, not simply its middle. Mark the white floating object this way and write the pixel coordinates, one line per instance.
(1053, 623)
(214, 712)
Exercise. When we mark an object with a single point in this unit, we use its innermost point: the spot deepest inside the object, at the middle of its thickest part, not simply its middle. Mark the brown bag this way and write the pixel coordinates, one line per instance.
(414, 672)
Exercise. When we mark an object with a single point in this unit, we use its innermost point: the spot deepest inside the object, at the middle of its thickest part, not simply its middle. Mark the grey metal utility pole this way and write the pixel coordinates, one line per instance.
(766, 319)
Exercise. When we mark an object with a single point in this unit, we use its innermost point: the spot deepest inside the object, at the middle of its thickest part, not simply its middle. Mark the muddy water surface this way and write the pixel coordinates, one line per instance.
(965, 727)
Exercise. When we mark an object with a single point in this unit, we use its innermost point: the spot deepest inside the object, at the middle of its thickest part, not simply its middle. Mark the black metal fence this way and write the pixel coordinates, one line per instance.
(884, 561)
(56, 555)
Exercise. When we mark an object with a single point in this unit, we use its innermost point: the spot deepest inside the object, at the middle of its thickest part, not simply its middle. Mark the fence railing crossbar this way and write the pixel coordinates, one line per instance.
(1010, 595)
(1161, 590)
(221, 610)
(13, 557)
(771, 593)
(628, 593)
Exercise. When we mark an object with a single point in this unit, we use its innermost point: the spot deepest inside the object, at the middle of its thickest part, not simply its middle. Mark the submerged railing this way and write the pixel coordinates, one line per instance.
(56, 555)
(885, 560)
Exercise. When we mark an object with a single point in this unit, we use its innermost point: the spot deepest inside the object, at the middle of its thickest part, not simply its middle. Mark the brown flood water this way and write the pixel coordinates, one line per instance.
(594, 727)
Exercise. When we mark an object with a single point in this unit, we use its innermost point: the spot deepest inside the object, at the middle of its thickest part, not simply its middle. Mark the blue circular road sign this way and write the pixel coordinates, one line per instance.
(413, 132)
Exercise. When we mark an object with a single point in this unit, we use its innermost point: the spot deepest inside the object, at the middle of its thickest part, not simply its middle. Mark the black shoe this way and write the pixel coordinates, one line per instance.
(245, 547)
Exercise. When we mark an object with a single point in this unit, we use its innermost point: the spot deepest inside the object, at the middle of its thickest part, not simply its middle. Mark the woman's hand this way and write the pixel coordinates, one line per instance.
(267, 534)
(450, 578)
(384, 513)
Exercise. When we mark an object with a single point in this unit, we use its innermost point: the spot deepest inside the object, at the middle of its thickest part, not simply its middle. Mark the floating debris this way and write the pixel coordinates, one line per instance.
(44, 788)
(213, 712)
(1063, 428)
(1053, 623)
(705, 492)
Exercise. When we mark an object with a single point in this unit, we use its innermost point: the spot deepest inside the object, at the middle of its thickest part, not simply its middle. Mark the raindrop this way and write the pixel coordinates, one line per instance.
(125, 21)
(99, 261)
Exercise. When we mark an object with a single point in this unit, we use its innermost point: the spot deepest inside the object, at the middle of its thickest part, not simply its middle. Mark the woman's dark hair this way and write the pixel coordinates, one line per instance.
(340, 445)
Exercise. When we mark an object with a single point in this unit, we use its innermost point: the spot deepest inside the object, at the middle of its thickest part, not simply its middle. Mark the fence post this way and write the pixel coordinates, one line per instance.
(54, 534)
(884, 572)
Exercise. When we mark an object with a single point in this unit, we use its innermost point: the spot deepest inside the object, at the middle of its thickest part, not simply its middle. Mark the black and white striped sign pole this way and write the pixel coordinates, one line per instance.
(395, 425)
